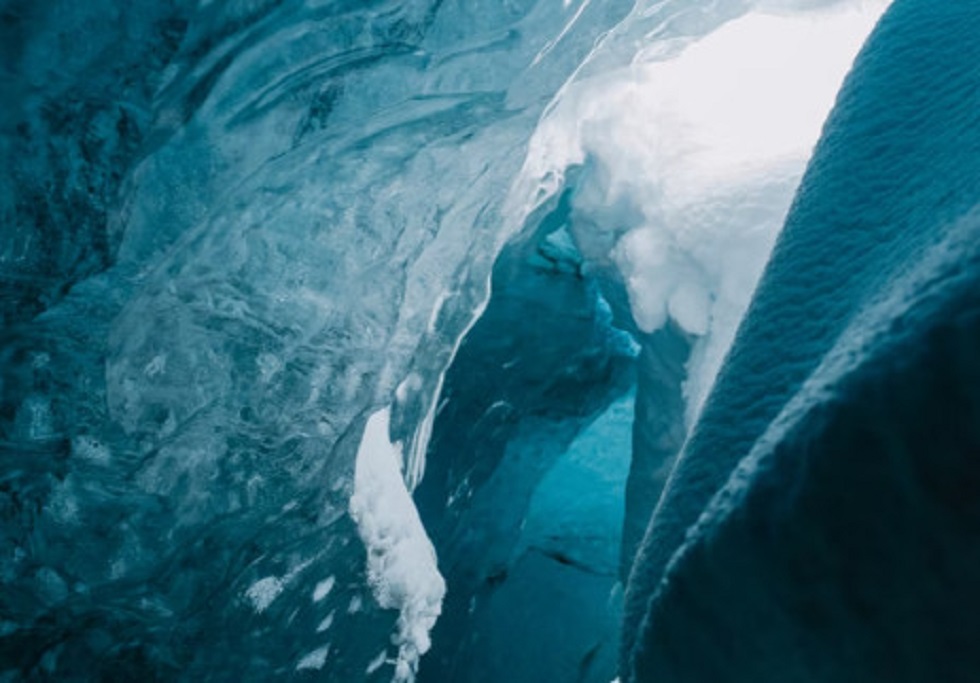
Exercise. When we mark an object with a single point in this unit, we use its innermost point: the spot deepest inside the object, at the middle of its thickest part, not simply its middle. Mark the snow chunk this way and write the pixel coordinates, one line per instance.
(323, 589)
(377, 662)
(693, 161)
(325, 624)
(264, 592)
(315, 660)
(402, 567)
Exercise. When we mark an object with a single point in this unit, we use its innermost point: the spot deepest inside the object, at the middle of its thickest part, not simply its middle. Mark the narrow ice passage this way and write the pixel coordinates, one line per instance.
(662, 183)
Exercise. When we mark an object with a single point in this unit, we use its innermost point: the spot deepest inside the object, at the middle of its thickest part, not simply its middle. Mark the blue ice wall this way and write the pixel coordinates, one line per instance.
(230, 232)
(821, 521)
(77, 82)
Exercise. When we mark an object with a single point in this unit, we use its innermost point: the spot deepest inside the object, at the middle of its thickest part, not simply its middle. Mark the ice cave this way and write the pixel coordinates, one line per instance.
(490, 341)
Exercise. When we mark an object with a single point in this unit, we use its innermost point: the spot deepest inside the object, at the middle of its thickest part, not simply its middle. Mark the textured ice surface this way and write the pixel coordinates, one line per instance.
(232, 232)
(820, 522)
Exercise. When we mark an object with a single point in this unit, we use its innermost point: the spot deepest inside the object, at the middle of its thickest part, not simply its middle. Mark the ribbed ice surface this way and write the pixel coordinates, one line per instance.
(820, 523)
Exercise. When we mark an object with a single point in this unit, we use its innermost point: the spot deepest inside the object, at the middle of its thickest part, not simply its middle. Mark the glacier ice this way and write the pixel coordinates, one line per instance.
(337, 334)
(236, 231)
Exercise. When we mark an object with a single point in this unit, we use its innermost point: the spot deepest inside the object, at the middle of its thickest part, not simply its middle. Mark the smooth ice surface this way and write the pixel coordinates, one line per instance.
(577, 507)
(820, 523)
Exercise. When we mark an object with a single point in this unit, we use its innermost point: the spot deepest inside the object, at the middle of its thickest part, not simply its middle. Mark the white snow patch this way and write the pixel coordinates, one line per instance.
(325, 624)
(315, 660)
(355, 605)
(377, 662)
(323, 589)
(402, 567)
(264, 592)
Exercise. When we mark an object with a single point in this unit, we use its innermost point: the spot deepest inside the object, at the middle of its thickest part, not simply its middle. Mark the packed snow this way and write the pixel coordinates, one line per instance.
(694, 161)
(402, 569)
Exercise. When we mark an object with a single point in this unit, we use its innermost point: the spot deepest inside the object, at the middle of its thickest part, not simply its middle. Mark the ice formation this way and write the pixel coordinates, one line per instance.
(425, 340)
